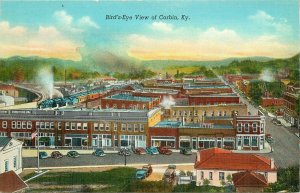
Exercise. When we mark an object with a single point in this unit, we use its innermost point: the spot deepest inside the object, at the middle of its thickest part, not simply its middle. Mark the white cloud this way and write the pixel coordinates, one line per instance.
(46, 41)
(263, 18)
(63, 17)
(210, 44)
(87, 21)
(161, 26)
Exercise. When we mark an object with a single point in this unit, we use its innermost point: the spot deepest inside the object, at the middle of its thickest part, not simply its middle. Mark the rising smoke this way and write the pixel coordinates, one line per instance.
(267, 76)
(46, 81)
(167, 102)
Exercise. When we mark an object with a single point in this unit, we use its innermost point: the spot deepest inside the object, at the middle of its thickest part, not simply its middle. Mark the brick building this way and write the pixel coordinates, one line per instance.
(8, 90)
(290, 98)
(268, 101)
(230, 98)
(206, 89)
(129, 101)
(96, 128)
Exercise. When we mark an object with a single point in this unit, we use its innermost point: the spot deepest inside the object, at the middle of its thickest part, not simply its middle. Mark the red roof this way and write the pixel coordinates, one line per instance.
(6, 87)
(11, 182)
(217, 158)
(249, 179)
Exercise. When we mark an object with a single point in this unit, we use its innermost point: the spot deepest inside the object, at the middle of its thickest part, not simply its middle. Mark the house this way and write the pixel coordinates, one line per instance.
(9, 90)
(217, 164)
(11, 182)
(249, 181)
(10, 155)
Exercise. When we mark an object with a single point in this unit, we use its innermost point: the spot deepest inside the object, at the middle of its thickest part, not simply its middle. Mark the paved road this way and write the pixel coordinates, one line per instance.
(110, 159)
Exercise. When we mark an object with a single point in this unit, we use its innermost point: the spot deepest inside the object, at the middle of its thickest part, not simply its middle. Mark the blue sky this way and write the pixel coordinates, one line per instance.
(215, 30)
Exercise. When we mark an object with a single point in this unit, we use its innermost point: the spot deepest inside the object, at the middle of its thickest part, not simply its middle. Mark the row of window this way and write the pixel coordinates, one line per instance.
(246, 127)
(210, 175)
(15, 162)
(115, 106)
(204, 113)
(18, 125)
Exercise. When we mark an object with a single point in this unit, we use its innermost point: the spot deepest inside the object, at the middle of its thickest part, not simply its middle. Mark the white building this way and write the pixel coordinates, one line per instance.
(10, 155)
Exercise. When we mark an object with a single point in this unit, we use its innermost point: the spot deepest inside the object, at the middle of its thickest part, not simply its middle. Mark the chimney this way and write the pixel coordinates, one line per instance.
(198, 156)
(272, 163)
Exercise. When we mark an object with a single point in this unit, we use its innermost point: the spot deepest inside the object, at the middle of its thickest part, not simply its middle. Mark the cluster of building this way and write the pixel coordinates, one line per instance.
(196, 112)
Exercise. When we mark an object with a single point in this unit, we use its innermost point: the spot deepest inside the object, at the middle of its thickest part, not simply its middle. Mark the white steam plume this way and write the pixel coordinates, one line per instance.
(167, 102)
(46, 81)
(267, 76)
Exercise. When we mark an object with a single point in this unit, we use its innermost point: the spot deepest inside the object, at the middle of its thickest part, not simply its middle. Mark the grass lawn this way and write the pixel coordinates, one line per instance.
(193, 188)
(112, 180)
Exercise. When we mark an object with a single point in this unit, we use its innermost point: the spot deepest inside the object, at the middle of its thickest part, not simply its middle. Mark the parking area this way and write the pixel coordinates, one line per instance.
(109, 159)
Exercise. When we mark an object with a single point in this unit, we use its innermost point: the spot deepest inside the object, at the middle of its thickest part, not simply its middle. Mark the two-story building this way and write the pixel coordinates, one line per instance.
(216, 164)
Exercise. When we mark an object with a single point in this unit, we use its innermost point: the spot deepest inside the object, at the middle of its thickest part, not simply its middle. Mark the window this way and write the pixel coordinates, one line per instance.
(225, 114)
(210, 175)
(59, 125)
(85, 126)
(15, 162)
(78, 125)
(254, 126)
(107, 127)
(262, 128)
(246, 141)
(19, 124)
(14, 125)
(247, 127)
(266, 175)
(142, 129)
(220, 113)
(96, 126)
(4, 124)
(47, 125)
(115, 127)
(136, 129)
(221, 176)
(174, 113)
(129, 127)
(29, 125)
(6, 165)
(239, 127)
(254, 141)
(51, 125)
(115, 106)
(24, 125)
(101, 126)
(204, 113)
(196, 113)
(123, 127)
(190, 113)
(73, 125)
(67, 125)
(202, 175)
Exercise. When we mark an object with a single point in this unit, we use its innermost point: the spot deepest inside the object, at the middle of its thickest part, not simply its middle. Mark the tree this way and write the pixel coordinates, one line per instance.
(229, 179)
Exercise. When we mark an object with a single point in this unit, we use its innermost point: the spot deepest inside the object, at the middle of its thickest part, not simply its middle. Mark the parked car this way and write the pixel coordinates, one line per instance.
(56, 154)
(73, 154)
(148, 169)
(152, 150)
(99, 152)
(186, 151)
(43, 155)
(140, 151)
(125, 151)
(170, 174)
(140, 174)
(164, 150)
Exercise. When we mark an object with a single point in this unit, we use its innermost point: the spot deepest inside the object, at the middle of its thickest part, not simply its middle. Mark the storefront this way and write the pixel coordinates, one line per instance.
(163, 141)
(133, 141)
(207, 142)
(250, 142)
(76, 140)
(184, 141)
(102, 140)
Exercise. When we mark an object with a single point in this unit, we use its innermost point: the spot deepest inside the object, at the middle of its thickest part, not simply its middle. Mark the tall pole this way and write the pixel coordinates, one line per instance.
(38, 149)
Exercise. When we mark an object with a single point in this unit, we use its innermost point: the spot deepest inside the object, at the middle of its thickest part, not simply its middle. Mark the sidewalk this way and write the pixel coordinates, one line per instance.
(267, 149)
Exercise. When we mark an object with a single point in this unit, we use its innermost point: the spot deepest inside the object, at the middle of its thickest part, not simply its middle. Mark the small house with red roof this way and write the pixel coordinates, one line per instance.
(249, 181)
(216, 164)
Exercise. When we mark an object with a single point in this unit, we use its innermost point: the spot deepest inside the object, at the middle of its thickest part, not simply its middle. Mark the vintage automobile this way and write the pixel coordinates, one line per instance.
(140, 174)
(56, 154)
(43, 155)
(148, 169)
(186, 151)
(164, 150)
(144, 172)
(170, 174)
(152, 150)
(124, 151)
(99, 153)
(73, 154)
(139, 151)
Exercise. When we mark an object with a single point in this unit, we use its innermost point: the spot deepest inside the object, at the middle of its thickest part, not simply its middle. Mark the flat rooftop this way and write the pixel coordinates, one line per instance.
(177, 124)
(205, 86)
(217, 95)
(129, 97)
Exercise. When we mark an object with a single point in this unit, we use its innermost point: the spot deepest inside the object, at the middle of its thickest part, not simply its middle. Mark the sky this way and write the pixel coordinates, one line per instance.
(213, 30)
